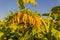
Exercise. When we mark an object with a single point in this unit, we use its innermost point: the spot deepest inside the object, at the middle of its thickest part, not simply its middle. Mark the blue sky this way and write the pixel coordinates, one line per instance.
(43, 6)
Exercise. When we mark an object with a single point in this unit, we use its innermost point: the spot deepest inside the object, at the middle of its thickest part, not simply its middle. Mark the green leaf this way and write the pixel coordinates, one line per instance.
(20, 4)
(55, 33)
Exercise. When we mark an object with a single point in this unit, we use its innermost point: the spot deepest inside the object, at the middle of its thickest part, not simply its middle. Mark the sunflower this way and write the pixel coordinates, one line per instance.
(38, 21)
(31, 21)
(24, 1)
(24, 19)
(19, 14)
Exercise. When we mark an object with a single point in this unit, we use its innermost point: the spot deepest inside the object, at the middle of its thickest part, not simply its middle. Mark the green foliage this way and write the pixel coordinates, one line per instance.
(14, 28)
(20, 4)
(48, 30)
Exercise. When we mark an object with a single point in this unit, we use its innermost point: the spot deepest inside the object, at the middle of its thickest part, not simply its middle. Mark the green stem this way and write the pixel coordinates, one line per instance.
(49, 28)
(44, 24)
(49, 19)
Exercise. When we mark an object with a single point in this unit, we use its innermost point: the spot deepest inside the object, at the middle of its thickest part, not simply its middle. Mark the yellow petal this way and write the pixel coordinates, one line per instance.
(1, 33)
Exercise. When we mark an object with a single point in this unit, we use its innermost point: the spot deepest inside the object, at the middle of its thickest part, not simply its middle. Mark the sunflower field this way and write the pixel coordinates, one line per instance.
(29, 25)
